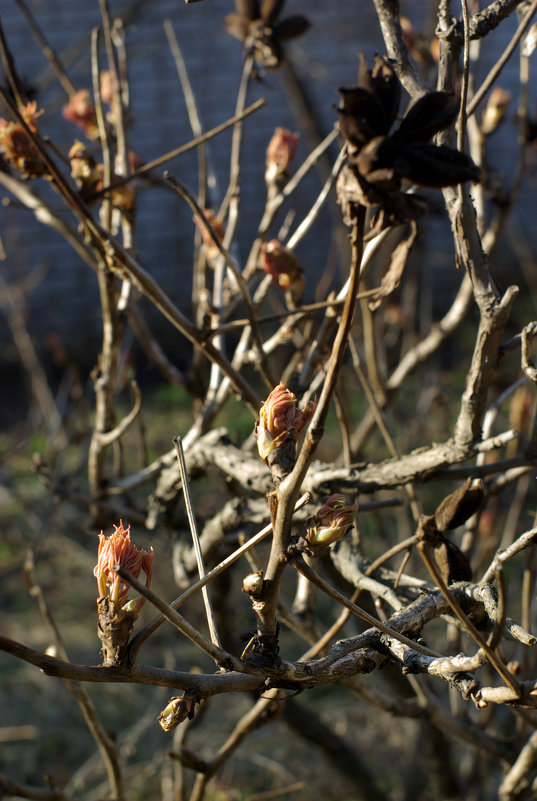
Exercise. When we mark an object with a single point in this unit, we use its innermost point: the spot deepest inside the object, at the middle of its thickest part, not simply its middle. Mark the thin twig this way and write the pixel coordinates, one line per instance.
(236, 139)
(291, 485)
(48, 52)
(501, 557)
(220, 656)
(191, 107)
(313, 213)
(307, 308)
(502, 61)
(274, 204)
(105, 744)
(196, 540)
(179, 151)
(501, 613)
(241, 283)
(310, 574)
(13, 80)
(109, 437)
(206, 685)
(151, 627)
(461, 132)
(497, 663)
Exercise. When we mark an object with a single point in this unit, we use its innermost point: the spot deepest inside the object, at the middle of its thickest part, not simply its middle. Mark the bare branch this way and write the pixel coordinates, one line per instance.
(196, 540)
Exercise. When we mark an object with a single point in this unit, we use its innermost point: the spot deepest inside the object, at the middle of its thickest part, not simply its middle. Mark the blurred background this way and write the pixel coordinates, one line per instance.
(300, 97)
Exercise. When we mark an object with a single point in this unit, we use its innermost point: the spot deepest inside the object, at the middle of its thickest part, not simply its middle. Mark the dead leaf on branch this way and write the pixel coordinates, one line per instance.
(381, 159)
(460, 505)
(256, 24)
(392, 277)
(452, 512)
(366, 115)
(450, 560)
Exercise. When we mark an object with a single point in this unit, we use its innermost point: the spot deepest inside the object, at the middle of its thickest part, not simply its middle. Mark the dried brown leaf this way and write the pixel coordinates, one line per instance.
(386, 89)
(361, 117)
(290, 28)
(459, 505)
(450, 560)
(392, 278)
(237, 25)
(435, 167)
(270, 10)
(452, 563)
(249, 9)
(430, 114)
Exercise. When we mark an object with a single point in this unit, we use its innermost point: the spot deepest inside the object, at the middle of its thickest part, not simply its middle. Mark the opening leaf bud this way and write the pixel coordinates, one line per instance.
(81, 111)
(280, 419)
(117, 549)
(331, 522)
(280, 152)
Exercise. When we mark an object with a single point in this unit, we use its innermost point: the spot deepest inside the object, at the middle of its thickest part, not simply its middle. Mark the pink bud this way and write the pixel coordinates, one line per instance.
(117, 549)
(284, 268)
(279, 419)
(212, 250)
(18, 148)
(280, 151)
(108, 87)
(332, 521)
(81, 111)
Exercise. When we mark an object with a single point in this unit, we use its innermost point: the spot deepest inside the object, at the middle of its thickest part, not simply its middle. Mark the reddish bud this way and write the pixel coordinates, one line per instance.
(285, 270)
(117, 549)
(212, 251)
(18, 148)
(332, 521)
(110, 96)
(81, 111)
(280, 152)
(418, 45)
(108, 86)
(280, 419)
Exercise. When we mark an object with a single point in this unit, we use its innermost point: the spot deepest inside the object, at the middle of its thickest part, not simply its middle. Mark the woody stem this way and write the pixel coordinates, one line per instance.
(289, 489)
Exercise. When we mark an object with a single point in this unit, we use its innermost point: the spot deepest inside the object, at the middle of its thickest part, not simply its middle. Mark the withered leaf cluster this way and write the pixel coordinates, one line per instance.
(454, 510)
(256, 23)
(379, 160)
